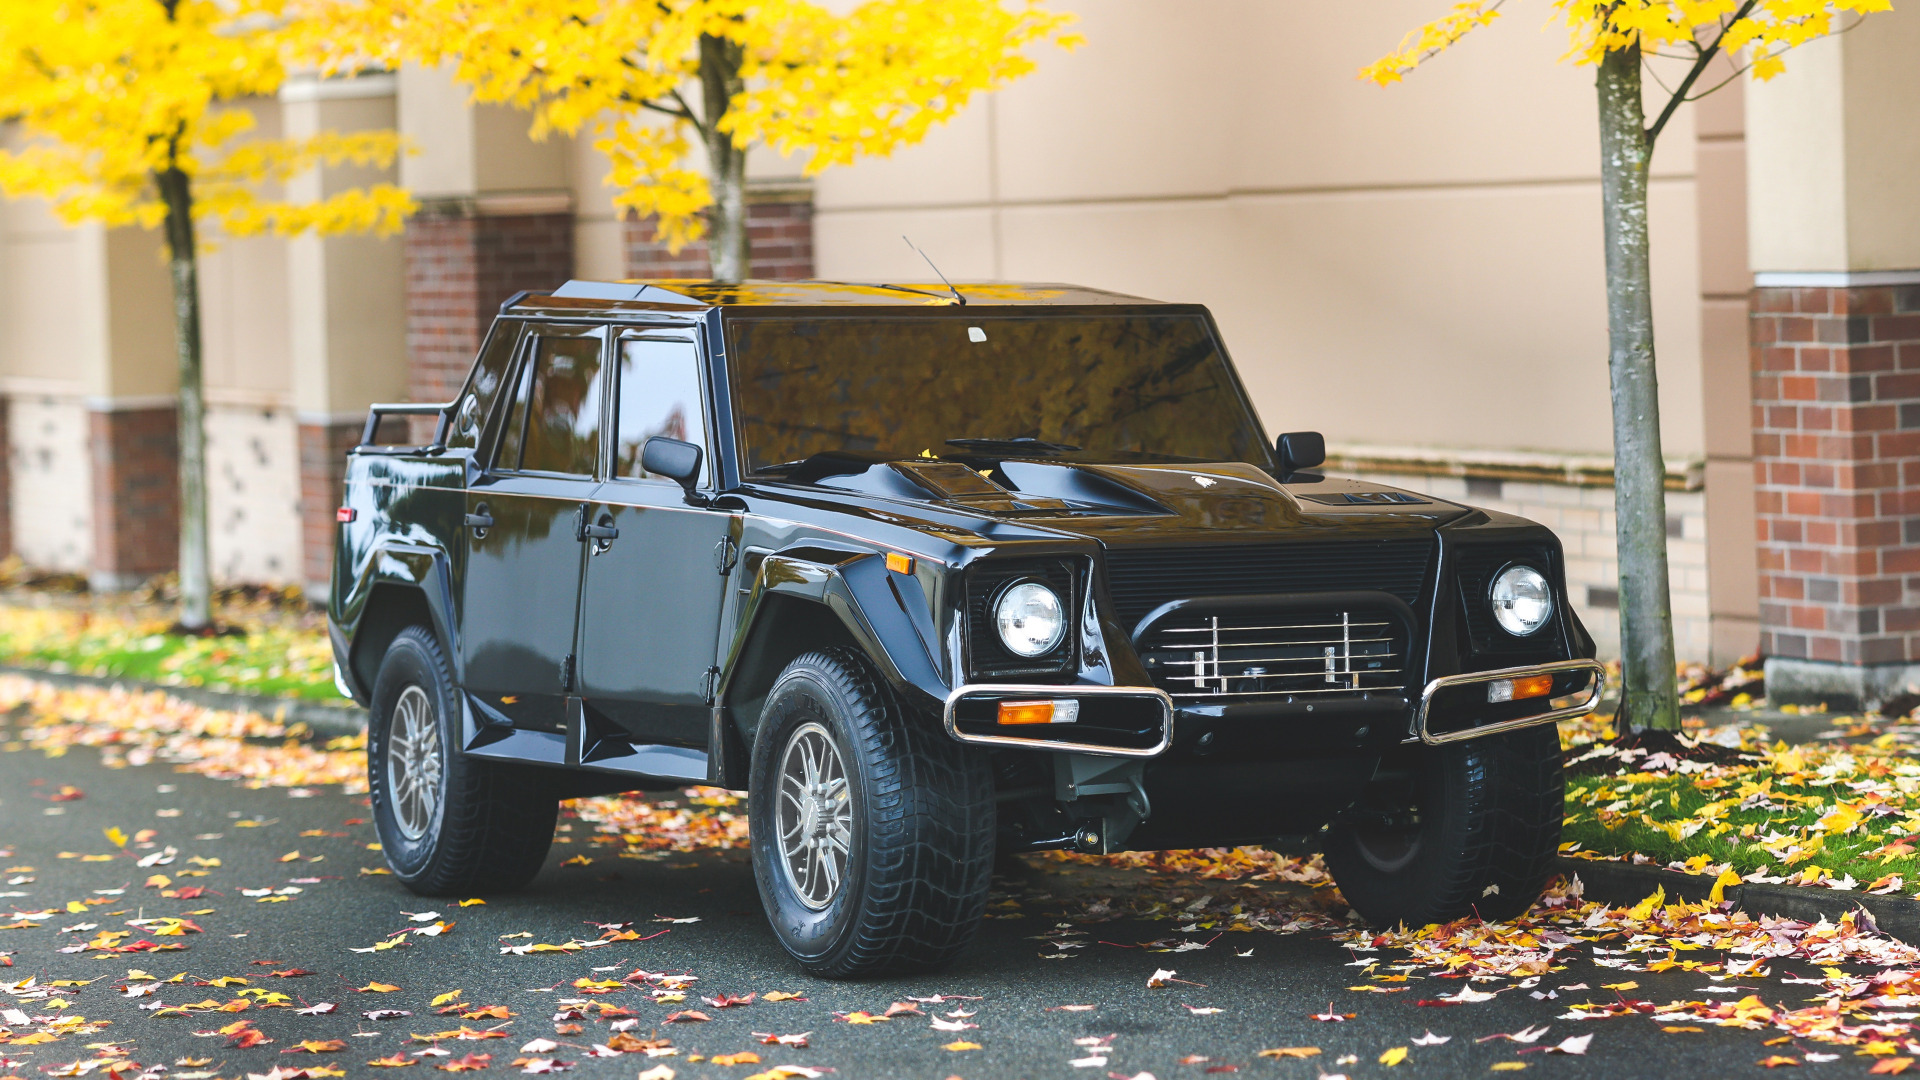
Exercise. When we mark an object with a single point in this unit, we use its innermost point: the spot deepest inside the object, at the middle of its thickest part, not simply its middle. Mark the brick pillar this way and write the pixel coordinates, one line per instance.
(779, 239)
(1836, 388)
(136, 495)
(323, 470)
(462, 262)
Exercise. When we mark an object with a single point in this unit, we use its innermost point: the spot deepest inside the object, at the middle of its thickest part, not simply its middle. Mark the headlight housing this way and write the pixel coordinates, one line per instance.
(1030, 619)
(1522, 600)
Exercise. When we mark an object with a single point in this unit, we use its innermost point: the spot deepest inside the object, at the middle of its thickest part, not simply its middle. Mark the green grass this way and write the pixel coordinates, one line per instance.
(278, 657)
(1842, 811)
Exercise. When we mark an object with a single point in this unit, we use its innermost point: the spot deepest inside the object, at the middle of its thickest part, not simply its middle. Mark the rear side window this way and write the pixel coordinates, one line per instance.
(555, 423)
(659, 395)
(483, 386)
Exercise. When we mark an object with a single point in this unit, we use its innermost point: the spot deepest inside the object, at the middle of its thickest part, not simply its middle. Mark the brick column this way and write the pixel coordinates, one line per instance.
(1836, 388)
(136, 494)
(323, 470)
(779, 239)
(464, 257)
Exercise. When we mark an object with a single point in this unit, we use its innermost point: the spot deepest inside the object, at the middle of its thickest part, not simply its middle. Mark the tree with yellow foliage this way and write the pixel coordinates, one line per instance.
(1618, 37)
(648, 79)
(131, 112)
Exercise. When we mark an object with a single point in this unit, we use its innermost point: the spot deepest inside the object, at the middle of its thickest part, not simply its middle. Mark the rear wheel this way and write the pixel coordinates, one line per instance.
(873, 833)
(448, 823)
(1479, 835)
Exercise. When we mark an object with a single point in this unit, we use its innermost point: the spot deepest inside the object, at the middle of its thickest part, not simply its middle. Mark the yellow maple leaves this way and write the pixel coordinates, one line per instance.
(831, 83)
(1765, 28)
(119, 99)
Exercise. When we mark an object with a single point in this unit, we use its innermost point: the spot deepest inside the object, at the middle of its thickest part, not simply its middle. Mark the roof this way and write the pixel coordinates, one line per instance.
(689, 296)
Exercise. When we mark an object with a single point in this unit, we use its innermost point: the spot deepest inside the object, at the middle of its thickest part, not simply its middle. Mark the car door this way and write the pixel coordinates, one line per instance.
(650, 608)
(520, 597)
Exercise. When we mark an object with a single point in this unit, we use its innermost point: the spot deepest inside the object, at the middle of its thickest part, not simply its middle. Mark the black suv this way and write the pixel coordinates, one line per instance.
(935, 575)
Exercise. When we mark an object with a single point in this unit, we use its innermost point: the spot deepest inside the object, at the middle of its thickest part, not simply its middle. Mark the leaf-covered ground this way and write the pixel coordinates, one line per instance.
(158, 951)
(1842, 812)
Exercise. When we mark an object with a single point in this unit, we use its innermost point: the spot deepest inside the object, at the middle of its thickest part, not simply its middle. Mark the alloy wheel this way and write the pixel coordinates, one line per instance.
(815, 816)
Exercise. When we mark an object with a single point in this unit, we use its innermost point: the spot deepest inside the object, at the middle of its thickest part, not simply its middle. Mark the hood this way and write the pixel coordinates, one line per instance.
(1134, 503)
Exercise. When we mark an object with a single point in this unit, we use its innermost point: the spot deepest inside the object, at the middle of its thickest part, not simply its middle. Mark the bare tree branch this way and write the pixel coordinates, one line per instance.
(1693, 75)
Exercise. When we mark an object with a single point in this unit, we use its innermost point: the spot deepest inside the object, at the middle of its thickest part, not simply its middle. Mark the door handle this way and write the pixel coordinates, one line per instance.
(599, 534)
(480, 521)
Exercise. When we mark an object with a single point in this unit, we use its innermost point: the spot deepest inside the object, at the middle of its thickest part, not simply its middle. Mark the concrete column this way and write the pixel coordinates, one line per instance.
(1720, 191)
(497, 216)
(347, 310)
(1834, 234)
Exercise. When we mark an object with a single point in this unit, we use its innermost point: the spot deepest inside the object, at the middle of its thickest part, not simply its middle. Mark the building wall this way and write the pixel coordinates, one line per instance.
(253, 459)
(51, 501)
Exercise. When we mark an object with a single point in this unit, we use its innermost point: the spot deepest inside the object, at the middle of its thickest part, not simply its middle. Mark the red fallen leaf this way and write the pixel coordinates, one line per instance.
(1777, 1060)
(1434, 1002)
(614, 1012)
(466, 1064)
(355, 821)
(683, 1016)
(490, 1012)
(67, 793)
(1892, 1066)
(1195, 1059)
(189, 892)
(901, 1008)
(290, 973)
(628, 1044)
(573, 1029)
(725, 1001)
(247, 1037)
(397, 1061)
(316, 1046)
(1223, 1068)
(770, 1038)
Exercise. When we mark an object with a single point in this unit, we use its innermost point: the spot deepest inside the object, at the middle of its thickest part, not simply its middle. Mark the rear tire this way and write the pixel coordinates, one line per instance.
(1490, 812)
(873, 833)
(448, 823)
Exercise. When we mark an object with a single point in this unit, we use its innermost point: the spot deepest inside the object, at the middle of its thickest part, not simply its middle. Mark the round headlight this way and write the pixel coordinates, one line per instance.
(1521, 600)
(1030, 618)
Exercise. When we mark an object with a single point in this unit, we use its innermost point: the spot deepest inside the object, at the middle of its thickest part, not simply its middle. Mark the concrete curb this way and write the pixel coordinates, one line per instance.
(325, 721)
(1625, 884)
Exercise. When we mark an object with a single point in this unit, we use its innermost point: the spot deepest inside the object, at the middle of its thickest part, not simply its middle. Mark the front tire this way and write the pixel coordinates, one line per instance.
(873, 833)
(448, 823)
(1489, 828)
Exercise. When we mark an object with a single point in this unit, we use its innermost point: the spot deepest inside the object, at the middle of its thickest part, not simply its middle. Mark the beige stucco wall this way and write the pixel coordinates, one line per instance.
(1831, 165)
(1417, 265)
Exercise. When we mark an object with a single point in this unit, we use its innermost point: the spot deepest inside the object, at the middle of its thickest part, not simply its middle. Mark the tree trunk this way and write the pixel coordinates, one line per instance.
(1640, 498)
(176, 191)
(720, 80)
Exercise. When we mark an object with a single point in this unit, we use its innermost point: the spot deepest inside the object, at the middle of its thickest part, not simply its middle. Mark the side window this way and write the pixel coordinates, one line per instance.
(659, 395)
(555, 422)
(470, 412)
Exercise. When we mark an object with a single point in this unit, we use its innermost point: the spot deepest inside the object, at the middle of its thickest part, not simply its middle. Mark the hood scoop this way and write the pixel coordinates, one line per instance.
(920, 481)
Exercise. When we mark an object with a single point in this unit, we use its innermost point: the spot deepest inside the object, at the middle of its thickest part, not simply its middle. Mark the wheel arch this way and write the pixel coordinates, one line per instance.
(404, 586)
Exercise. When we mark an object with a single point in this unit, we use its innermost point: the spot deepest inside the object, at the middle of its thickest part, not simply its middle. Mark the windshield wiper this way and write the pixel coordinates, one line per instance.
(1026, 443)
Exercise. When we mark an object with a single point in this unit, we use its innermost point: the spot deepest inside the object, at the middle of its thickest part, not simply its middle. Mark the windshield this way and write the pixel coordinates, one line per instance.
(1126, 387)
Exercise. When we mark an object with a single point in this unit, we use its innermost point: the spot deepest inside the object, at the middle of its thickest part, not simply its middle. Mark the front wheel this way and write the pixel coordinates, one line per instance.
(1478, 837)
(873, 833)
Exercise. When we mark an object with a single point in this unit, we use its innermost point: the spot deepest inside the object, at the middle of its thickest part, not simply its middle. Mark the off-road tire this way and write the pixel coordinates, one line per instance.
(494, 824)
(1490, 812)
(922, 837)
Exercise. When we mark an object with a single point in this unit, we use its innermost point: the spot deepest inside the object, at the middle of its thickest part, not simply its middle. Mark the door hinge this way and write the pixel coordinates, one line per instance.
(725, 554)
(566, 674)
(710, 684)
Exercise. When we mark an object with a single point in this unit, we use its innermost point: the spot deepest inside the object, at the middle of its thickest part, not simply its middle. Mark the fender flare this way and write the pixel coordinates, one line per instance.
(422, 569)
(885, 614)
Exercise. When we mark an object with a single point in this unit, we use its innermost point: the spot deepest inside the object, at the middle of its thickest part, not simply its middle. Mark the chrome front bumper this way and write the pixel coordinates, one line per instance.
(1560, 708)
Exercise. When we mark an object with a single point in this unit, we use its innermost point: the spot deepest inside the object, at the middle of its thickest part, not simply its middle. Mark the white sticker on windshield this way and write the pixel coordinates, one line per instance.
(974, 333)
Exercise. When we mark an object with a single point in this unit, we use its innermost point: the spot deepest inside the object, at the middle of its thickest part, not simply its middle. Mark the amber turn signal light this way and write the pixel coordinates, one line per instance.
(1057, 711)
(900, 564)
(1515, 689)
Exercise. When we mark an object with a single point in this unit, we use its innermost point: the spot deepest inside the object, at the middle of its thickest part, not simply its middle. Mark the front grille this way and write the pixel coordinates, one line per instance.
(1141, 579)
(1239, 654)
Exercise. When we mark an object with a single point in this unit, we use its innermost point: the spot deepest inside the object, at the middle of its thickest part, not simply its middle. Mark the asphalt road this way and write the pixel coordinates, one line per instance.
(1266, 998)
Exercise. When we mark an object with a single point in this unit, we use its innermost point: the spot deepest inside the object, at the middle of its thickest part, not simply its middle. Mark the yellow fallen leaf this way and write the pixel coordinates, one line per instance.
(117, 837)
(1628, 985)
(292, 856)
(957, 1047)
(1509, 1066)
(1727, 879)
(1394, 1056)
(159, 881)
(376, 988)
(472, 902)
(451, 995)
(1291, 1052)
(1643, 910)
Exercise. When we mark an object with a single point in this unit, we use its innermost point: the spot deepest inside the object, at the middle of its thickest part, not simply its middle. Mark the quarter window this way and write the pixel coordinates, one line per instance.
(659, 395)
(555, 424)
(482, 387)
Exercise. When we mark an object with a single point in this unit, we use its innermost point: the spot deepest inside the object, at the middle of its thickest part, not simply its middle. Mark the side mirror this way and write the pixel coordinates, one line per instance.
(677, 461)
(1300, 450)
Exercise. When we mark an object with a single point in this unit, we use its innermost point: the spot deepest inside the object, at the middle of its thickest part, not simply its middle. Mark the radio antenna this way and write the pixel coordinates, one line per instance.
(957, 298)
